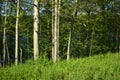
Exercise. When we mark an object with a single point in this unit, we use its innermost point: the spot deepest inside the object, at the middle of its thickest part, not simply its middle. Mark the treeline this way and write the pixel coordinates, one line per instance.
(57, 29)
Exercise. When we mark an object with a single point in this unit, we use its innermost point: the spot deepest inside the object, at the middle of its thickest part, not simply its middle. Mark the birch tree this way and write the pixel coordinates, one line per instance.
(56, 32)
(36, 21)
(52, 29)
(70, 33)
(16, 36)
(4, 34)
(68, 49)
(58, 25)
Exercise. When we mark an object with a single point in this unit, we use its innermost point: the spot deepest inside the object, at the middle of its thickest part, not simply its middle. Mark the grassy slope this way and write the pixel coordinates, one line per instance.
(99, 67)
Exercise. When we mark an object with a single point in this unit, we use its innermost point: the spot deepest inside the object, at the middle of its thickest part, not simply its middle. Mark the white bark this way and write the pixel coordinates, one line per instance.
(58, 26)
(55, 33)
(4, 35)
(4, 43)
(68, 50)
(16, 41)
(70, 33)
(52, 30)
(36, 21)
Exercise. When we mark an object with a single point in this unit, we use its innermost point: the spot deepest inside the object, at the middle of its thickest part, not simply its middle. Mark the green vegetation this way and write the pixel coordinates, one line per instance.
(53, 31)
(98, 67)
(94, 27)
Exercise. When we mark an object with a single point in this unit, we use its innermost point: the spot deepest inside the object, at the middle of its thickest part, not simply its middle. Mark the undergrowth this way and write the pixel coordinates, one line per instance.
(99, 67)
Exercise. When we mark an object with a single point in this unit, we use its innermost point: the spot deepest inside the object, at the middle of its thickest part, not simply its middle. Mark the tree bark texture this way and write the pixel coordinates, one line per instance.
(4, 35)
(70, 33)
(35, 37)
(16, 34)
(55, 32)
(68, 50)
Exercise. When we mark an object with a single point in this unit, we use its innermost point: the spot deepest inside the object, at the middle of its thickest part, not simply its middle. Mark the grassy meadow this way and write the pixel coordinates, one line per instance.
(98, 67)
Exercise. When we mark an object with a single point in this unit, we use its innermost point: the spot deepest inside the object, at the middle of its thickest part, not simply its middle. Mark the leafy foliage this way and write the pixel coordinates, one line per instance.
(95, 28)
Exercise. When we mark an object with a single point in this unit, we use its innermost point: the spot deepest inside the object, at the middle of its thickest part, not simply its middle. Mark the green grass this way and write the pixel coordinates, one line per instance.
(99, 67)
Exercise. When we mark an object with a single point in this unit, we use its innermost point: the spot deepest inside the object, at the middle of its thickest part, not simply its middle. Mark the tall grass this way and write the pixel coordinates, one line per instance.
(99, 67)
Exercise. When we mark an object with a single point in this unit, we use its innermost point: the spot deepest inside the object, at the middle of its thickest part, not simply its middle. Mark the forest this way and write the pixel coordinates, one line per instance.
(59, 39)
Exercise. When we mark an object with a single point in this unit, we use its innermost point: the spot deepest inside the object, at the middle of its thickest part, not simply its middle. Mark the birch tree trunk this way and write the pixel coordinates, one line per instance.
(70, 33)
(52, 29)
(58, 26)
(4, 43)
(4, 35)
(16, 39)
(21, 55)
(68, 50)
(36, 21)
(55, 32)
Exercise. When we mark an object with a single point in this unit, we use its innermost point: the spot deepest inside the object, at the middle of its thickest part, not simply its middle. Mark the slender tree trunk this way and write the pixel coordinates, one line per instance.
(16, 41)
(4, 35)
(36, 21)
(75, 9)
(21, 55)
(52, 29)
(28, 50)
(4, 46)
(68, 50)
(91, 43)
(70, 33)
(58, 26)
(8, 54)
(55, 32)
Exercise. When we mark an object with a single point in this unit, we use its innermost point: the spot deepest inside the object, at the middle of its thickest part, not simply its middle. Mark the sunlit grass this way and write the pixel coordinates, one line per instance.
(99, 67)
